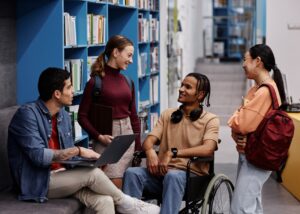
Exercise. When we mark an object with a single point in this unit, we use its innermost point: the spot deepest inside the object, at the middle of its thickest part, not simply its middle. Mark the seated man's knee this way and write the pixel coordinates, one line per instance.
(132, 172)
(175, 176)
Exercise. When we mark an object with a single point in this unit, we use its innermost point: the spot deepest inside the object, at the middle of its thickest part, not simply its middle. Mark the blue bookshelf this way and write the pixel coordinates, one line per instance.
(233, 27)
(41, 43)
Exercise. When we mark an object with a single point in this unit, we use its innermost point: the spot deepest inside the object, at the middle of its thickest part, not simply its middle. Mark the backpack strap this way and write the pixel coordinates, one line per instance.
(129, 82)
(98, 86)
(273, 95)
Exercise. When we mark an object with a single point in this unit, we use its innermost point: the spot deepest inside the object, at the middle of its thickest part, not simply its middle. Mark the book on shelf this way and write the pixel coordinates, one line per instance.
(220, 3)
(143, 117)
(154, 63)
(154, 28)
(142, 64)
(153, 90)
(130, 3)
(143, 4)
(143, 26)
(148, 4)
(89, 28)
(75, 67)
(95, 29)
(76, 128)
(113, 1)
(153, 119)
(154, 5)
(143, 105)
(69, 29)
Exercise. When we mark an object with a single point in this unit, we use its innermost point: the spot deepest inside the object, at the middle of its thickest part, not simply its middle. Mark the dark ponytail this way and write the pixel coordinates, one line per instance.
(268, 59)
(277, 76)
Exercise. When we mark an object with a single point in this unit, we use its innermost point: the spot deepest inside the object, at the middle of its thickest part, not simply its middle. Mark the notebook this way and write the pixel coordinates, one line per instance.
(111, 154)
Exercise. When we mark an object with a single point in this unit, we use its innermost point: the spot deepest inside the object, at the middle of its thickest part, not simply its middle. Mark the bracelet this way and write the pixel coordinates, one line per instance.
(79, 150)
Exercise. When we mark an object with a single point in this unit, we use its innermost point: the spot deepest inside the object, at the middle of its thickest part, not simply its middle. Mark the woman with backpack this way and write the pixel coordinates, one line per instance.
(116, 92)
(258, 62)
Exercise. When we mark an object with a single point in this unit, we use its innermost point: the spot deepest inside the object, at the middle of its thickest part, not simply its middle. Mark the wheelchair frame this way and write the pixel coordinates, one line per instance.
(199, 198)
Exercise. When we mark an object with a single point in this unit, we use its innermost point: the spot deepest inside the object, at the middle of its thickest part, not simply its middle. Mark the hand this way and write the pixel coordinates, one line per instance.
(105, 139)
(88, 153)
(240, 141)
(163, 164)
(152, 162)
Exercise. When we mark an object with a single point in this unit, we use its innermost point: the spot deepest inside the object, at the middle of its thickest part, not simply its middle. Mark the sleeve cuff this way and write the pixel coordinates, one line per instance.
(48, 156)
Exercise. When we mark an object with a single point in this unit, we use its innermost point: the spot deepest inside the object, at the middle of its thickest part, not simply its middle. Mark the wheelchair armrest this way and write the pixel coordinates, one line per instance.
(203, 159)
(139, 154)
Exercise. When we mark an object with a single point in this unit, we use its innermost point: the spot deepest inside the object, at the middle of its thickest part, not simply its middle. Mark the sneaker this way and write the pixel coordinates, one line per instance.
(131, 205)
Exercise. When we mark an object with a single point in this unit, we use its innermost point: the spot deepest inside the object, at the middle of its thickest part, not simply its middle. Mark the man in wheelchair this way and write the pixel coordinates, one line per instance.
(180, 133)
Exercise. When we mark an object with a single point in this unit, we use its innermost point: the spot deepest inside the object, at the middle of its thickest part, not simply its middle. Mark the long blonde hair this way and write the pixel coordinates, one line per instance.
(117, 41)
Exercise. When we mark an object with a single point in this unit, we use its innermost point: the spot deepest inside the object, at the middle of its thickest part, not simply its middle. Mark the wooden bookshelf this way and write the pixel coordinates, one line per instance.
(41, 41)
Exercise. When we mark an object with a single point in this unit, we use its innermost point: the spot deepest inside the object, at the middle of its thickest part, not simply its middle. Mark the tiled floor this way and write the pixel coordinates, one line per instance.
(276, 199)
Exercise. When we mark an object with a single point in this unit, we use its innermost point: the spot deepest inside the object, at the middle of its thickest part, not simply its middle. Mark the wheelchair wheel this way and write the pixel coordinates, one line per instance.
(218, 196)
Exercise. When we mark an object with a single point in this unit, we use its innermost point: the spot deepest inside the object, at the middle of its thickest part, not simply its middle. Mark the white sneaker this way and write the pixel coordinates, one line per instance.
(131, 205)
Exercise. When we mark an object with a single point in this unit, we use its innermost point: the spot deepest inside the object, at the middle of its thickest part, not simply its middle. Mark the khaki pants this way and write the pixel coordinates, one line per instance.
(90, 185)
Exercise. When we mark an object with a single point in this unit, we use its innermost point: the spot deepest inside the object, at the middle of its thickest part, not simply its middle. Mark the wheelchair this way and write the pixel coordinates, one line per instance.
(208, 194)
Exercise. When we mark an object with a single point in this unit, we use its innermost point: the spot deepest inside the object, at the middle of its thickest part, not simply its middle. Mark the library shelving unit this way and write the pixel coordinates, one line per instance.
(234, 27)
(42, 42)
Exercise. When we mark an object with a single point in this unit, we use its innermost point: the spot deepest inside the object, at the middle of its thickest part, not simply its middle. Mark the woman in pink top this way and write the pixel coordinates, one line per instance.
(258, 62)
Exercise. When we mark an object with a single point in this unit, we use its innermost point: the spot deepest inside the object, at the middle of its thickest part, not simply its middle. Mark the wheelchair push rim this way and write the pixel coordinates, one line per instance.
(218, 196)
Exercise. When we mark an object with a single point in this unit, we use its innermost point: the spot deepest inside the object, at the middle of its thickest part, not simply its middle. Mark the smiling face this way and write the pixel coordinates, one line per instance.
(124, 57)
(188, 93)
(250, 65)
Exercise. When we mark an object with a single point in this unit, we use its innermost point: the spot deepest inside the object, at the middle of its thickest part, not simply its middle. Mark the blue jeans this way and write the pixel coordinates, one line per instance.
(172, 186)
(248, 187)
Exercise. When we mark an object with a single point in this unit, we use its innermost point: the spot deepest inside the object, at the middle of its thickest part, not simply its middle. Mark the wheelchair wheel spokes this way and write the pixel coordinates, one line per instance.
(218, 196)
(221, 197)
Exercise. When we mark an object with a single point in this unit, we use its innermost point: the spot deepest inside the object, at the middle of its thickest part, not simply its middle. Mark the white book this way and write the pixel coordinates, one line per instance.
(66, 29)
(155, 89)
(139, 66)
(89, 33)
(77, 130)
(72, 27)
(151, 91)
(95, 29)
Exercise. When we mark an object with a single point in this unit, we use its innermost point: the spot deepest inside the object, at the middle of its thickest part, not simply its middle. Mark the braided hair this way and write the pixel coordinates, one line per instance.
(203, 84)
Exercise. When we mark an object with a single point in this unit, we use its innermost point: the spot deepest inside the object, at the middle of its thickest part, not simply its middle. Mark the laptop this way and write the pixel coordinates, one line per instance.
(111, 154)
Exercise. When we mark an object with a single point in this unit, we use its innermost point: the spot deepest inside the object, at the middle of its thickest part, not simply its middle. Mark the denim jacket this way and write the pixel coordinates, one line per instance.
(28, 153)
